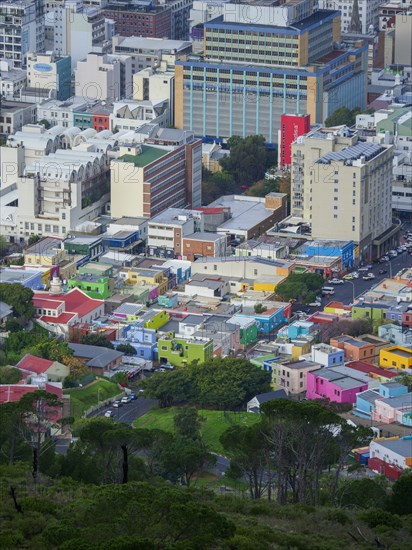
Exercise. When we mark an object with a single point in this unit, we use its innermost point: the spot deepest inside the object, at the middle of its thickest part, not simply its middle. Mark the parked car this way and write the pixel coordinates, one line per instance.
(336, 281)
(108, 414)
(126, 399)
(315, 304)
(355, 275)
(117, 404)
(368, 277)
(383, 271)
(348, 277)
(133, 396)
(363, 269)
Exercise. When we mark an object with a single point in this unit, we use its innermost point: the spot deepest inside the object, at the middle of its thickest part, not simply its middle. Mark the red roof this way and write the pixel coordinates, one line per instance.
(212, 210)
(61, 319)
(35, 364)
(75, 302)
(363, 366)
(14, 392)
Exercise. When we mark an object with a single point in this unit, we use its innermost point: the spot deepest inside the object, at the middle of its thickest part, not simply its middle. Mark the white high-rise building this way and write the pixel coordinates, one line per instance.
(342, 187)
(21, 29)
(368, 11)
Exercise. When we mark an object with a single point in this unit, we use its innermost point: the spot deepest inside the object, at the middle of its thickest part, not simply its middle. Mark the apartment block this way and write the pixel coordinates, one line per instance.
(360, 16)
(180, 17)
(15, 114)
(396, 357)
(12, 81)
(166, 231)
(79, 29)
(165, 171)
(342, 187)
(22, 27)
(49, 72)
(148, 51)
(260, 63)
(139, 18)
(198, 245)
(354, 349)
(104, 77)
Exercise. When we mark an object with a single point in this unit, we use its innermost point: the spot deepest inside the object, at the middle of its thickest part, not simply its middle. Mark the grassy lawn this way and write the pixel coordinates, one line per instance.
(216, 422)
(84, 398)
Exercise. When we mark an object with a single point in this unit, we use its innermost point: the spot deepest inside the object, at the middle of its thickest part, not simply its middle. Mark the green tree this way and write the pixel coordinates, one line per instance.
(9, 375)
(183, 458)
(342, 116)
(45, 123)
(19, 298)
(188, 422)
(400, 501)
(52, 350)
(302, 287)
(260, 308)
(248, 160)
(249, 451)
(4, 246)
(127, 349)
(406, 380)
(34, 239)
(169, 387)
(361, 493)
(38, 412)
(96, 340)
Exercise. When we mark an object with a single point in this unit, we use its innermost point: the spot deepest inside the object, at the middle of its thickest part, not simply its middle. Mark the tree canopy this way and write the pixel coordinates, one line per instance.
(248, 160)
(96, 340)
(302, 287)
(220, 383)
(20, 299)
(343, 115)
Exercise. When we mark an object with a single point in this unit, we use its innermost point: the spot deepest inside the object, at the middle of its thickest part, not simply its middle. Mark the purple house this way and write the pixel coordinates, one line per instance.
(328, 383)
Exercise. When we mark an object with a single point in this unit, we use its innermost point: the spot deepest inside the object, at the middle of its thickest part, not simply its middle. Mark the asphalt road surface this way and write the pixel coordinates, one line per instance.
(129, 412)
(347, 291)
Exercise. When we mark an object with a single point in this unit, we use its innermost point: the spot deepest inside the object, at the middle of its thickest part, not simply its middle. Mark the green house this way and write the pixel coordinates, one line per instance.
(84, 246)
(374, 312)
(92, 285)
(97, 268)
(183, 351)
(155, 319)
(248, 330)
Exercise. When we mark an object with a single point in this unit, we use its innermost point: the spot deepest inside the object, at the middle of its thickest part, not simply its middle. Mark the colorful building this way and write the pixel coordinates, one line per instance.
(169, 300)
(292, 376)
(155, 319)
(291, 127)
(374, 312)
(183, 351)
(396, 357)
(330, 383)
(391, 457)
(136, 275)
(248, 330)
(354, 349)
(91, 247)
(328, 356)
(94, 286)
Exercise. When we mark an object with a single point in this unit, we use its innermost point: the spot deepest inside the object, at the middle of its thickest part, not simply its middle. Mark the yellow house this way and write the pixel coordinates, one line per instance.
(141, 275)
(300, 347)
(268, 284)
(396, 357)
(46, 252)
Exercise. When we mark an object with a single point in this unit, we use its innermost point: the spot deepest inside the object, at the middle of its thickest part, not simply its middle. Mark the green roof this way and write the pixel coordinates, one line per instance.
(148, 155)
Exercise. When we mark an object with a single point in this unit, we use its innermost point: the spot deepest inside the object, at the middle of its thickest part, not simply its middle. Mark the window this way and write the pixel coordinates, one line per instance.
(164, 348)
(255, 271)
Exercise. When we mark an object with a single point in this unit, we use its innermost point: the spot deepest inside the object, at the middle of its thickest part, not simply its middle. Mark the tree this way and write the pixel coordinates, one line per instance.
(127, 349)
(350, 327)
(52, 350)
(302, 287)
(4, 246)
(34, 239)
(260, 308)
(248, 160)
(188, 422)
(38, 411)
(249, 452)
(45, 123)
(19, 298)
(183, 458)
(400, 501)
(96, 340)
(220, 383)
(361, 493)
(343, 116)
(406, 380)
(9, 375)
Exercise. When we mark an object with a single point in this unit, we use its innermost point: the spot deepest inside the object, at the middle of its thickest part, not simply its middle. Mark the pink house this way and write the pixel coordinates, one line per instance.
(392, 409)
(331, 384)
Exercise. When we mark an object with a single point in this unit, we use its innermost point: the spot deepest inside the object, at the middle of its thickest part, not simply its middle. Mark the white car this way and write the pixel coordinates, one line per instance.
(336, 281)
(315, 304)
(363, 269)
(108, 414)
(368, 277)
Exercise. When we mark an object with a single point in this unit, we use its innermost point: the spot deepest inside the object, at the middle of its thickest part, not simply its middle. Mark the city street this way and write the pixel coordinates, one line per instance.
(129, 412)
(350, 290)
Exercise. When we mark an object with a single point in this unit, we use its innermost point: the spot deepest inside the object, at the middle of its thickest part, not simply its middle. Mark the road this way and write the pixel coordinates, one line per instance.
(347, 291)
(128, 413)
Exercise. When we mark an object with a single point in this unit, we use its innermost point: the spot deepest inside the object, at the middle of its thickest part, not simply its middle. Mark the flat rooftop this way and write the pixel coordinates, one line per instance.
(147, 156)
(401, 446)
(353, 152)
(204, 236)
(246, 211)
(160, 44)
(401, 352)
(45, 247)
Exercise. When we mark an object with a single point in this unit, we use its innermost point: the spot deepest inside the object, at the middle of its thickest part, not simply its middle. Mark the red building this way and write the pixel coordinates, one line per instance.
(101, 121)
(291, 127)
(151, 22)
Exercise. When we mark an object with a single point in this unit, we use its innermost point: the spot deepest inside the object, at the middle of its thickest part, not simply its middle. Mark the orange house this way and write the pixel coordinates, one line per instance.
(355, 349)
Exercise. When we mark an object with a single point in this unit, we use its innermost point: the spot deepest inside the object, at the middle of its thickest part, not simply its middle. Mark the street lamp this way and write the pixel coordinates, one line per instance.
(353, 291)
